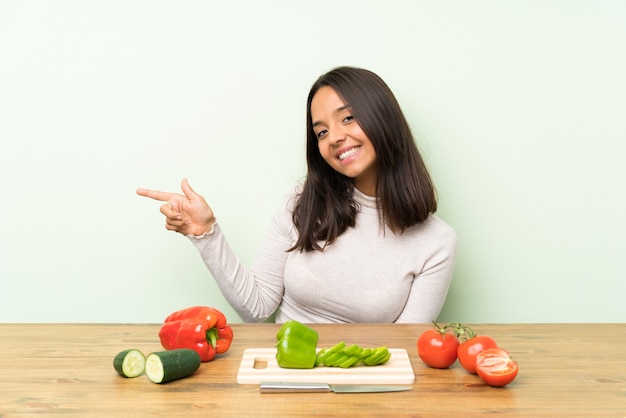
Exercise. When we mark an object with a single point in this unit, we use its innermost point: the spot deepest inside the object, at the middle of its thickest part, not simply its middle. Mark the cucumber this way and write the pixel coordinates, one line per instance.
(165, 366)
(129, 363)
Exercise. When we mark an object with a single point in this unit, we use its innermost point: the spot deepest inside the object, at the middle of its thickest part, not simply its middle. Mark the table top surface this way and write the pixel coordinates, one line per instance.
(66, 369)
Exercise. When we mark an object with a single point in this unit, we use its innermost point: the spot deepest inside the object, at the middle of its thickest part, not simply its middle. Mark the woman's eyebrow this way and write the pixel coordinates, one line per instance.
(338, 110)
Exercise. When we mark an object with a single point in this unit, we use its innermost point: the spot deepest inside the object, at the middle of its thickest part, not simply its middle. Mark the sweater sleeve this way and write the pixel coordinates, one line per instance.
(429, 289)
(255, 292)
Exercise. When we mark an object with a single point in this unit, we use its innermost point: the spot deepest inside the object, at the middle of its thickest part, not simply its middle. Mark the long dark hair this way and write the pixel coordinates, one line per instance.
(325, 207)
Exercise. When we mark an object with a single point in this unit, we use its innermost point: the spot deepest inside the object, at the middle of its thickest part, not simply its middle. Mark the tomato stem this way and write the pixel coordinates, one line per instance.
(462, 332)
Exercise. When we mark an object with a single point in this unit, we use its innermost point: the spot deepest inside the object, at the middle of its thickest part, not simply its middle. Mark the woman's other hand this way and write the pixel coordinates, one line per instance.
(187, 213)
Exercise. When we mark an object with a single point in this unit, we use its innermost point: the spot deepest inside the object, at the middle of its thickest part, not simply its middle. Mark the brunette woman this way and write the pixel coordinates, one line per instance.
(358, 240)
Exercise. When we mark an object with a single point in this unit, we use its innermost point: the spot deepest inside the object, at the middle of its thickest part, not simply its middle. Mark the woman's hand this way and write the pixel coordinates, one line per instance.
(188, 213)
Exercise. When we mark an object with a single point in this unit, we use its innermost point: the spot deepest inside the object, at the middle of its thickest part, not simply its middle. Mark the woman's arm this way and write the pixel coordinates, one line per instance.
(254, 293)
(430, 288)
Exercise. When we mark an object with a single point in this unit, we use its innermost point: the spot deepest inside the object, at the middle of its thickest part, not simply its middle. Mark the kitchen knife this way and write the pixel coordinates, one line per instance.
(298, 387)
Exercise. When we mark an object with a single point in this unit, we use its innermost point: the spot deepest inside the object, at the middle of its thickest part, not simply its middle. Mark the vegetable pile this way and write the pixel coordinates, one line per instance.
(190, 337)
(441, 346)
(296, 348)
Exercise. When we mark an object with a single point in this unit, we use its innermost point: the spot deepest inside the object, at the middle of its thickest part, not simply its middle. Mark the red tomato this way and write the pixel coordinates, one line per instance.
(496, 367)
(468, 350)
(437, 348)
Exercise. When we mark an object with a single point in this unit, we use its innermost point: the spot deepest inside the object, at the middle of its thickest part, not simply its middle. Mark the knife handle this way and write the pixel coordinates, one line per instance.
(293, 387)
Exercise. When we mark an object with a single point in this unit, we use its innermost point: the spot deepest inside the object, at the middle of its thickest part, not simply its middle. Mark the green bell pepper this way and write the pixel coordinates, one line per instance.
(296, 346)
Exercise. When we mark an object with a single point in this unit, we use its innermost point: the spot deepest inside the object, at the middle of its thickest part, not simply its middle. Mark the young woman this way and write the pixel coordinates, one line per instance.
(358, 241)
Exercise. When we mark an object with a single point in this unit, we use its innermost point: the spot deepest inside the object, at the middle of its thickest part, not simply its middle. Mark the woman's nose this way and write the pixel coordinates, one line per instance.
(337, 135)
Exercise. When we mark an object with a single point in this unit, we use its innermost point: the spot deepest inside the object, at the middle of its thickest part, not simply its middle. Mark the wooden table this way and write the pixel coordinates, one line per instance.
(66, 369)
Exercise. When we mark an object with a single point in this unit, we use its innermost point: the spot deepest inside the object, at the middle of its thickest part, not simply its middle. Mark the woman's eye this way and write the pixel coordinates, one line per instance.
(348, 118)
(321, 133)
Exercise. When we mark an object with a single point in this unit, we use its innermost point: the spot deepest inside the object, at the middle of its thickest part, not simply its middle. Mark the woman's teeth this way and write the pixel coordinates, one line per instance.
(348, 153)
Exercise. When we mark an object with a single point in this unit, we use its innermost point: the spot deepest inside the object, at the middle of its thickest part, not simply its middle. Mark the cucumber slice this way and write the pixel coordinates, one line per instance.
(165, 366)
(129, 363)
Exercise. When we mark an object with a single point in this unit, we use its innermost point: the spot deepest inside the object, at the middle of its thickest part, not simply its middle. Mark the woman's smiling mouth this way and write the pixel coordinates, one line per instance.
(348, 153)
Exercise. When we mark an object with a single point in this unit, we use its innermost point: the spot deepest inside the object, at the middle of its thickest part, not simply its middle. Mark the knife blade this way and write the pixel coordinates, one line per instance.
(300, 387)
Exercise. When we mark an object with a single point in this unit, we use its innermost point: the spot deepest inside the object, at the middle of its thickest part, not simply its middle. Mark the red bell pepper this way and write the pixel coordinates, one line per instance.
(200, 328)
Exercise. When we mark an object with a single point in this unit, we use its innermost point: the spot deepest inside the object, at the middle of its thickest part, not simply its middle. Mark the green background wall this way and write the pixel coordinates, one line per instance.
(519, 107)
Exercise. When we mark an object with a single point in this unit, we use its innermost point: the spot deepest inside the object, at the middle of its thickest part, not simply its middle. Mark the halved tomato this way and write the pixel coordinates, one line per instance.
(469, 349)
(496, 367)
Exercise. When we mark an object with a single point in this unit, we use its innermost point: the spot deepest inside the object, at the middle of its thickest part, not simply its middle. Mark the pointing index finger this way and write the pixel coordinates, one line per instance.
(155, 194)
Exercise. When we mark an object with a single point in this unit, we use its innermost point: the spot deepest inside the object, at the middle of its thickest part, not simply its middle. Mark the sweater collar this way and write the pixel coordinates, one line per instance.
(364, 200)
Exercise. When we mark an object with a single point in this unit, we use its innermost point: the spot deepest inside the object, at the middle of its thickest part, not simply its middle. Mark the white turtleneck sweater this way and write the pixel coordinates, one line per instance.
(366, 275)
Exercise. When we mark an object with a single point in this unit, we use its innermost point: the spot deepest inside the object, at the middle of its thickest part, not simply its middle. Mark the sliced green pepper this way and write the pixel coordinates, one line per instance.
(296, 346)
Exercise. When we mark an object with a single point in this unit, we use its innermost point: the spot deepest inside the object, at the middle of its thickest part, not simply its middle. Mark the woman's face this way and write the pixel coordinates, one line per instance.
(342, 142)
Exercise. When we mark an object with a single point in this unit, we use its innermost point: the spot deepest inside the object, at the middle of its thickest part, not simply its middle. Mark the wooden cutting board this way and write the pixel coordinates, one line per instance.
(259, 364)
